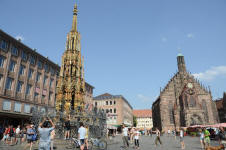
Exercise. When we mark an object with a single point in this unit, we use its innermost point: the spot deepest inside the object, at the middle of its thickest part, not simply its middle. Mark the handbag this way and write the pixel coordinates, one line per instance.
(34, 137)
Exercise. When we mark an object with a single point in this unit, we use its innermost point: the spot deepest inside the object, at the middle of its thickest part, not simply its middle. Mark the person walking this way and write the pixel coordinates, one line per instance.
(30, 133)
(125, 136)
(157, 139)
(45, 133)
(87, 137)
(11, 134)
(132, 134)
(81, 136)
(202, 138)
(182, 138)
(169, 132)
(17, 137)
(206, 138)
(150, 132)
(67, 126)
(222, 137)
(136, 139)
(5, 136)
(22, 135)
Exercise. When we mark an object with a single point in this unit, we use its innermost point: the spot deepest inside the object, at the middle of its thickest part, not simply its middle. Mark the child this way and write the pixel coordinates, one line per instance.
(136, 139)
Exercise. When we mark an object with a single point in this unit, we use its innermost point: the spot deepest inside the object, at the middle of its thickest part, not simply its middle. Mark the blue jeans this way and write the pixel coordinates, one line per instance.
(44, 145)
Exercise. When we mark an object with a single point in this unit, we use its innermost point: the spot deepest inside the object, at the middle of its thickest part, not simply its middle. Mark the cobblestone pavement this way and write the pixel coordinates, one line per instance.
(146, 143)
(169, 143)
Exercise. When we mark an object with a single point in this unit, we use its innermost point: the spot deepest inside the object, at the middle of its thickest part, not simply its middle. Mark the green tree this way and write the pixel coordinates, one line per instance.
(134, 121)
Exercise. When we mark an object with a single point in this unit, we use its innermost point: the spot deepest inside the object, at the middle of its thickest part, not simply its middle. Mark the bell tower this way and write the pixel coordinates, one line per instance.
(181, 63)
(71, 82)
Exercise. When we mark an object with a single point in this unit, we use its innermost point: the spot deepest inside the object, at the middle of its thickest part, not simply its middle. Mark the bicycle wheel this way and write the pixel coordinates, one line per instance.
(70, 144)
(90, 145)
(103, 144)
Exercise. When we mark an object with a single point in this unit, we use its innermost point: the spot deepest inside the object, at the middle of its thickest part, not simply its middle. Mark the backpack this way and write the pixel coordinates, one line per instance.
(11, 132)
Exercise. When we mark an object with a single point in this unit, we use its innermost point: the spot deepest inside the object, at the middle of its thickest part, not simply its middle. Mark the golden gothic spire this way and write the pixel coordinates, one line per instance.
(71, 83)
(74, 23)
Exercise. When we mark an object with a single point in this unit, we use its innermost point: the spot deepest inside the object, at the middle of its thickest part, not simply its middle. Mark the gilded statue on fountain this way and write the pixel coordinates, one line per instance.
(71, 83)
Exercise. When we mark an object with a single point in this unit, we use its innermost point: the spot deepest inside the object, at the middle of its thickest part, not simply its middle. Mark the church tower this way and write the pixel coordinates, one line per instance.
(71, 83)
(181, 63)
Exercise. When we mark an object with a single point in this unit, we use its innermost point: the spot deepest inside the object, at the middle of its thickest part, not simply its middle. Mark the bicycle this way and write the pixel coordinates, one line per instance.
(96, 143)
(124, 148)
(73, 143)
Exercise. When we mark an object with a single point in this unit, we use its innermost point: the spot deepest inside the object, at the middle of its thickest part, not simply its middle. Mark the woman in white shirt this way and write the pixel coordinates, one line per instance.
(202, 138)
(136, 139)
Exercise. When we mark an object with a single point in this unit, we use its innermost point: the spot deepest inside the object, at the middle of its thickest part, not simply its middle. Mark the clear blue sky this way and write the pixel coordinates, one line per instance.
(130, 47)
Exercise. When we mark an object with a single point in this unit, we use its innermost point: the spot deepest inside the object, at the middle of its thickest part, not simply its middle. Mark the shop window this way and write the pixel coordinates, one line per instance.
(6, 105)
(27, 108)
(17, 107)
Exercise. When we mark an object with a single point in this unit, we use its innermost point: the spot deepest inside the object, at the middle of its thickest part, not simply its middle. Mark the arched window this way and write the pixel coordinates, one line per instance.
(171, 113)
(204, 107)
(192, 102)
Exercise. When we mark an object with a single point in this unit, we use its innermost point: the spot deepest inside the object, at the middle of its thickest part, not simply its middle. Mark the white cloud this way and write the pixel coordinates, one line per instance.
(164, 39)
(211, 73)
(20, 37)
(190, 35)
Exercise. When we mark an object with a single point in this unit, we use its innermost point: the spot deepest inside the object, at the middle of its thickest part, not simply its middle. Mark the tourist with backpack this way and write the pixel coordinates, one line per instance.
(11, 133)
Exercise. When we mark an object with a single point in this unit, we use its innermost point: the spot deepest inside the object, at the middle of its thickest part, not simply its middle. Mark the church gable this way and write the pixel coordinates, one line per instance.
(184, 101)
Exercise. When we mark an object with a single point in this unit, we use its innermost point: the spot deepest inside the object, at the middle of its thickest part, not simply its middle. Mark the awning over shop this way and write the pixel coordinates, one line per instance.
(111, 127)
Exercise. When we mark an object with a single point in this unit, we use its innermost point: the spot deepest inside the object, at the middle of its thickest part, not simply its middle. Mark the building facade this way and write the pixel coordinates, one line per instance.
(221, 107)
(144, 118)
(183, 102)
(27, 79)
(117, 108)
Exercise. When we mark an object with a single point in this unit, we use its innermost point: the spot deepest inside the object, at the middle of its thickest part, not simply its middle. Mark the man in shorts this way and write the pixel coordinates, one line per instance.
(206, 138)
(81, 136)
(30, 133)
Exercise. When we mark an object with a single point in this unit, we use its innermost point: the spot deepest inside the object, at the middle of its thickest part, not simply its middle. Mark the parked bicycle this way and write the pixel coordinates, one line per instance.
(97, 143)
(73, 143)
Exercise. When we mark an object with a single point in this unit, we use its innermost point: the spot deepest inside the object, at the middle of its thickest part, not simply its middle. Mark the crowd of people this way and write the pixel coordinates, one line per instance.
(131, 136)
(19, 135)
